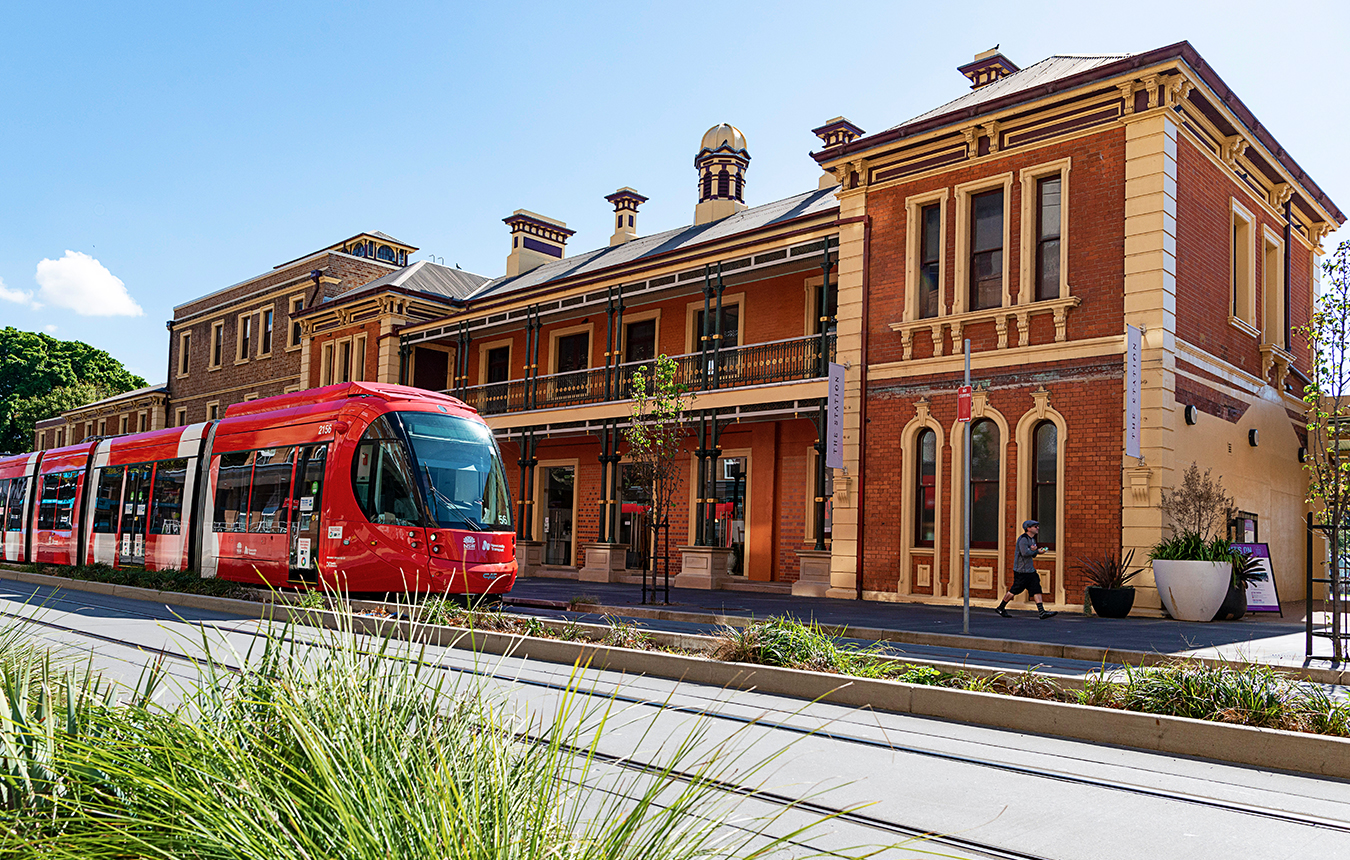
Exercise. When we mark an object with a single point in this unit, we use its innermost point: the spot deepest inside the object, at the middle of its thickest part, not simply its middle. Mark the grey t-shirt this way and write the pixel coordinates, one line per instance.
(1024, 561)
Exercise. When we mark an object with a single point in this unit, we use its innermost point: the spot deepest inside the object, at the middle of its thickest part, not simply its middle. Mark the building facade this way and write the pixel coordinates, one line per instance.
(1047, 216)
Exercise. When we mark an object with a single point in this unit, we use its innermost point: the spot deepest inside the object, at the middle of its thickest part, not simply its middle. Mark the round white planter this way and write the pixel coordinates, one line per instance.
(1192, 590)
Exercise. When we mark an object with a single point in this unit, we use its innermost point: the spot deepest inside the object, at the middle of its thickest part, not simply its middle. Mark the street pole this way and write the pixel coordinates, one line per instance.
(965, 609)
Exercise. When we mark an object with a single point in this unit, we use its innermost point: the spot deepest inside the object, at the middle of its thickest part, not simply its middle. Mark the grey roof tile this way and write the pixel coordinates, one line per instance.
(427, 277)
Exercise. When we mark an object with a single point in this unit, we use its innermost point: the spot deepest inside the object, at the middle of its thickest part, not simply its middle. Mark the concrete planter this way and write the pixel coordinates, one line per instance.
(1192, 590)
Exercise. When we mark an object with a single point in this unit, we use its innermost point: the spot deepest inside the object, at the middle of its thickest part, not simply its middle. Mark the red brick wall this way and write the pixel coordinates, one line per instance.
(371, 330)
(1205, 193)
(1096, 220)
(1087, 393)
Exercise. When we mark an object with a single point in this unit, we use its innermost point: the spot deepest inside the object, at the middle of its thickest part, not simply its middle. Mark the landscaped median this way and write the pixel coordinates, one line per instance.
(1021, 702)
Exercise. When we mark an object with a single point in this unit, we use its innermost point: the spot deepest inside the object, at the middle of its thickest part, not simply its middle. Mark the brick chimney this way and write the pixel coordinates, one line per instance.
(987, 67)
(535, 240)
(626, 202)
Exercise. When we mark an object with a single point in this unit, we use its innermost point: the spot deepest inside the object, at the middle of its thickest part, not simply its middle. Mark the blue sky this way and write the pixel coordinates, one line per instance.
(179, 148)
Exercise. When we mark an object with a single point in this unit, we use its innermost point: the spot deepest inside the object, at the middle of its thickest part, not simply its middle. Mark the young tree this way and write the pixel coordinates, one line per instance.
(654, 437)
(1327, 400)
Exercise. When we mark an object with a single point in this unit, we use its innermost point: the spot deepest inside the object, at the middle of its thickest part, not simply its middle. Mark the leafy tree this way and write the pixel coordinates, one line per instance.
(41, 376)
(655, 437)
(1327, 396)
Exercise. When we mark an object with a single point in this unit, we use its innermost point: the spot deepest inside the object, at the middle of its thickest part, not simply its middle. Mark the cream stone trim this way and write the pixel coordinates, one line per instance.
(541, 498)
(1242, 276)
(487, 346)
(692, 337)
(913, 235)
(1030, 177)
(242, 348)
(213, 410)
(1019, 315)
(694, 490)
(1041, 410)
(811, 302)
(180, 418)
(637, 317)
(980, 409)
(263, 311)
(221, 391)
(1272, 293)
(961, 271)
(909, 438)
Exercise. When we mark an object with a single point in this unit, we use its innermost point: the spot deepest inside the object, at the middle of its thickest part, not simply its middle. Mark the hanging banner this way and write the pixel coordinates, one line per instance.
(1261, 593)
(834, 419)
(1134, 378)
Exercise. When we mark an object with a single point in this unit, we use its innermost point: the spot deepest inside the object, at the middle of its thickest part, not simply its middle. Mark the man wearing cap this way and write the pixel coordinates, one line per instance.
(1025, 577)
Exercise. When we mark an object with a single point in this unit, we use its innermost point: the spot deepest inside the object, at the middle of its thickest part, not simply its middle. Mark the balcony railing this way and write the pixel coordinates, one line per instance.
(754, 364)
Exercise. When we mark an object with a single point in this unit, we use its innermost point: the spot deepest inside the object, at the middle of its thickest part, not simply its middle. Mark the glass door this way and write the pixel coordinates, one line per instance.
(559, 496)
(634, 518)
(729, 514)
(135, 511)
(306, 504)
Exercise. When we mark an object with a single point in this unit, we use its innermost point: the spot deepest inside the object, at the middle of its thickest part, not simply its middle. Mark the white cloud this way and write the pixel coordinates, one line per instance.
(22, 297)
(49, 329)
(79, 282)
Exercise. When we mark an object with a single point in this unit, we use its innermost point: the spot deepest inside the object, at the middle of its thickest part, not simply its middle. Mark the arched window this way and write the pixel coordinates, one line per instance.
(986, 506)
(707, 185)
(1044, 474)
(386, 254)
(925, 489)
(723, 183)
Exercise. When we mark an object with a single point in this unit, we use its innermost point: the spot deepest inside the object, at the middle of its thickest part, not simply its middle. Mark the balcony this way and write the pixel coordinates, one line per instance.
(791, 360)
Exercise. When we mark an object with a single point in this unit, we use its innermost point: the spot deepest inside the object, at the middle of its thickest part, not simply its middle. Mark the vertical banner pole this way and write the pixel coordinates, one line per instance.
(965, 609)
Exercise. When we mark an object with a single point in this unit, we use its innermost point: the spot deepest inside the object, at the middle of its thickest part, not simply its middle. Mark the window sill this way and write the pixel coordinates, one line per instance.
(213, 368)
(181, 375)
(956, 323)
(239, 361)
(1243, 325)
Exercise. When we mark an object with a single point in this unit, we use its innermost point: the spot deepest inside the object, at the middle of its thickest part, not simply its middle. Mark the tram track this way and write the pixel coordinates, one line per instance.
(859, 819)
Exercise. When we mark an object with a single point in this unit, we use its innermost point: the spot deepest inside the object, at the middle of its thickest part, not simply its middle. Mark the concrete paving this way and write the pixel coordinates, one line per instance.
(1257, 638)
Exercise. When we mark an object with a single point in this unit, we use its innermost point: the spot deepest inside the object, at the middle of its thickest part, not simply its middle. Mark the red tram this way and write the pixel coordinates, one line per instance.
(357, 487)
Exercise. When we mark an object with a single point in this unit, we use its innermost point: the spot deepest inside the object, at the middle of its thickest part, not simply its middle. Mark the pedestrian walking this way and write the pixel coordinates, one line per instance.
(1025, 577)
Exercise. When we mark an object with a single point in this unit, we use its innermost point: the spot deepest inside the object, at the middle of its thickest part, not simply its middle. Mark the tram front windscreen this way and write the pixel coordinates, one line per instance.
(459, 468)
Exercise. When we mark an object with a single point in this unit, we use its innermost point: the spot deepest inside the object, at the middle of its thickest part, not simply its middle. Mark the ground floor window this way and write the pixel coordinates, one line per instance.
(986, 506)
(559, 495)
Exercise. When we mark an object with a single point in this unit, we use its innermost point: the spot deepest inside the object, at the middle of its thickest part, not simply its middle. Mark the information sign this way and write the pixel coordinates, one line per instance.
(834, 418)
(1134, 366)
(1262, 596)
(963, 403)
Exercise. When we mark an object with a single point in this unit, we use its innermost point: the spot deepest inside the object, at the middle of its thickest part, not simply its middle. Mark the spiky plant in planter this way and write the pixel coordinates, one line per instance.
(1108, 586)
(1192, 568)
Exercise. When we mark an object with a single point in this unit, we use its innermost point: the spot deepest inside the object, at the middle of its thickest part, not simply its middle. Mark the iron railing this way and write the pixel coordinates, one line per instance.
(752, 364)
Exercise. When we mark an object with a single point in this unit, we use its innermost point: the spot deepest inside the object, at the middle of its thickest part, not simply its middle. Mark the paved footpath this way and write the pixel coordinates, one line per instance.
(1256, 638)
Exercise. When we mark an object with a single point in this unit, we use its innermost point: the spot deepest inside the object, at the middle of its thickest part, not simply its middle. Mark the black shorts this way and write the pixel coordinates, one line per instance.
(1028, 582)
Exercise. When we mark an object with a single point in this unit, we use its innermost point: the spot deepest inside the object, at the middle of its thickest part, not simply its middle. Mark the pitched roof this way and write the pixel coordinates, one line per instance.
(1047, 70)
(789, 208)
(427, 277)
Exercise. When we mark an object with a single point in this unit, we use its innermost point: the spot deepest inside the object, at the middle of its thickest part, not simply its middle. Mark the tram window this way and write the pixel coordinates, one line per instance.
(308, 495)
(232, 479)
(271, 491)
(383, 483)
(57, 507)
(166, 513)
(106, 498)
(18, 491)
(462, 468)
(4, 496)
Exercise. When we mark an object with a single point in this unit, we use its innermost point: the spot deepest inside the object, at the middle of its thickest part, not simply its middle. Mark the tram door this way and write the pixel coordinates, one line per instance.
(135, 510)
(559, 492)
(306, 505)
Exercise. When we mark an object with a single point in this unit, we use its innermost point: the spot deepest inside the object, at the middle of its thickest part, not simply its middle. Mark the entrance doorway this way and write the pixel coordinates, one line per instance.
(135, 504)
(732, 487)
(634, 517)
(559, 497)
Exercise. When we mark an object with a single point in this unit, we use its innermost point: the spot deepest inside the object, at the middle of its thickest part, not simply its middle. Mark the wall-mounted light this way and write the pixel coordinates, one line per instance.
(1253, 437)
(1302, 454)
(1191, 413)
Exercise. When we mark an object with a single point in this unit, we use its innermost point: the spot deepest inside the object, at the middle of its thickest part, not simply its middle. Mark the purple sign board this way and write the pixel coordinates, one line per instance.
(1261, 593)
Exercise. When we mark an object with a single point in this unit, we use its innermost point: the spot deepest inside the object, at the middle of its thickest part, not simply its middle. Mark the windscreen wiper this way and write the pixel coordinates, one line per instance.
(450, 503)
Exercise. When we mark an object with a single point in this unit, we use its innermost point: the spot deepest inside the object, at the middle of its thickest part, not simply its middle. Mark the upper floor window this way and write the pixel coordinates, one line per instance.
(265, 333)
(986, 250)
(1047, 238)
(245, 337)
(1272, 290)
(217, 343)
(386, 254)
(184, 351)
(1243, 268)
(639, 341)
(731, 328)
(930, 259)
(297, 305)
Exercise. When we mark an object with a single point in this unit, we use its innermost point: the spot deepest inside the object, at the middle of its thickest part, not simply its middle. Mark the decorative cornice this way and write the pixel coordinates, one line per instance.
(1231, 150)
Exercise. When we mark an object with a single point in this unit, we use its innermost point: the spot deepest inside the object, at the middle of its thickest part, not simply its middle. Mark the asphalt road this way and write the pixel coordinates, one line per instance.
(986, 792)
